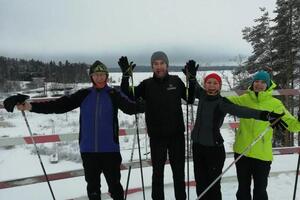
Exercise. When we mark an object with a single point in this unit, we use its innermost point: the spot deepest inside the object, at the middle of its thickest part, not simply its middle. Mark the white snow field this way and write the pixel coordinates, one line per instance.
(19, 161)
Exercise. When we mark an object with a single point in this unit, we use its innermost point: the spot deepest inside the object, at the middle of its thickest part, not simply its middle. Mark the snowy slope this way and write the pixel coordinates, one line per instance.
(19, 161)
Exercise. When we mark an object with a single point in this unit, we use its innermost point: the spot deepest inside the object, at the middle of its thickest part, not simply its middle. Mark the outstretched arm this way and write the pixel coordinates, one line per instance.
(245, 112)
(292, 122)
(125, 104)
(60, 105)
(240, 111)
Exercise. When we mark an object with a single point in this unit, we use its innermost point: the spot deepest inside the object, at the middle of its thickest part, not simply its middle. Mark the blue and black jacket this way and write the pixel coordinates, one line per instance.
(99, 128)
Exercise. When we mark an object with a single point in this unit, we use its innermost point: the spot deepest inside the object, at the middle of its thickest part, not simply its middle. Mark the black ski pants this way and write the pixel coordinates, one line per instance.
(108, 163)
(208, 165)
(175, 148)
(250, 168)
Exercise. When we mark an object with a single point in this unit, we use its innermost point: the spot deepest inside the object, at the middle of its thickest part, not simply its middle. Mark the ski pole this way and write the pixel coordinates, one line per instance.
(138, 142)
(187, 134)
(297, 170)
(239, 157)
(37, 152)
(129, 170)
(139, 146)
(296, 179)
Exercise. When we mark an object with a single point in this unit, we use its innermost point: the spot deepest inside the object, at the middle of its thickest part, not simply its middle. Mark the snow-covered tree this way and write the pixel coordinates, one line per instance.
(260, 38)
(286, 40)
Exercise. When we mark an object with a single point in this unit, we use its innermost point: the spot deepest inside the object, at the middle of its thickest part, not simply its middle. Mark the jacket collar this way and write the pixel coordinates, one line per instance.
(105, 88)
(212, 97)
(161, 79)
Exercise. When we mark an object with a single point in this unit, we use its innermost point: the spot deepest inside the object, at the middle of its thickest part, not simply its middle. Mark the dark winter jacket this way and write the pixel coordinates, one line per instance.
(99, 127)
(210, 116)
(162, 97)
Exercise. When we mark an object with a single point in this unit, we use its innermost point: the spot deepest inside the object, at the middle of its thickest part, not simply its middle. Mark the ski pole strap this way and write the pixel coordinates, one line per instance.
(275, 122)
(132, 86)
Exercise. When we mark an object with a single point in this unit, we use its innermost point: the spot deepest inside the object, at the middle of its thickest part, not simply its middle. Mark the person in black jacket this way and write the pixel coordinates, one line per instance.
(164, 119)
(99, 129)
(208, 148)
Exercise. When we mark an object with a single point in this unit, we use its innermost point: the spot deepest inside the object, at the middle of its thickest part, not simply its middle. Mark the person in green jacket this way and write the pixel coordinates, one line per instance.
(256, 163)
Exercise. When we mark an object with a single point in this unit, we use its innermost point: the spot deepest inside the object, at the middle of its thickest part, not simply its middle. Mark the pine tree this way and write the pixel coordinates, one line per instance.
(286, 42)
(260, 38)
(286, 50)
(276, 49)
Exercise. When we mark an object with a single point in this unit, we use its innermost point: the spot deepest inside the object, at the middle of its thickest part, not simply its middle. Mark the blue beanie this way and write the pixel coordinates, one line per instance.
(263, 76)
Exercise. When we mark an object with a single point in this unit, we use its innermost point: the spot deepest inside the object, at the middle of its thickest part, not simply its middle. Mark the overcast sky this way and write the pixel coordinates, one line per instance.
(85, 30)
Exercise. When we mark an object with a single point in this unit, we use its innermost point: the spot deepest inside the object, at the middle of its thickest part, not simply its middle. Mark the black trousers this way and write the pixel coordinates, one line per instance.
(108, 163)
(208, 165)
(175, 147)
(248, 169)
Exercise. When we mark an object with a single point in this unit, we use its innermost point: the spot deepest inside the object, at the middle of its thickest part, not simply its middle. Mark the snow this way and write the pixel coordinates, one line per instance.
(20, 161)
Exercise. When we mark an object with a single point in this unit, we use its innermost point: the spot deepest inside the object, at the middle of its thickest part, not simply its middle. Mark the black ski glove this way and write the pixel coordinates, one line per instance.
(272, 117)
(298, 115)
(10, 102)
(125, 66)
(190, 69)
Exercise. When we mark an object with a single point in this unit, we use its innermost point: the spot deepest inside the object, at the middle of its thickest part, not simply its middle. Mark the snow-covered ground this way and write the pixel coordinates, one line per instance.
(20, 162)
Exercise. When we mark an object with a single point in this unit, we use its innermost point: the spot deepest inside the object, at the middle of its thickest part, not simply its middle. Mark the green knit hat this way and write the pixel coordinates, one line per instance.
(98, 66)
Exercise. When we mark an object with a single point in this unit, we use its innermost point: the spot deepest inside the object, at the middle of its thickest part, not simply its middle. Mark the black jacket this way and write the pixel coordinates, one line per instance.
(162, 97)
(210, 116)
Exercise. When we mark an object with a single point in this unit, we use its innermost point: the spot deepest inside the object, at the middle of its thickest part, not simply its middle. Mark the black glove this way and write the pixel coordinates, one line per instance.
(10, 102)
(125, 66)
(298, 115)
(190, 69)
(272, 117)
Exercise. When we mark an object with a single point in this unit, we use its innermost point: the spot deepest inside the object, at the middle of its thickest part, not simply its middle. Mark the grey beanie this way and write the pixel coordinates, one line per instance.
(159, 55)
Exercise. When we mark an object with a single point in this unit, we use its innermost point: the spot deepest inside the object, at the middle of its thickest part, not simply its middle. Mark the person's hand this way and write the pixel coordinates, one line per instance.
(298, 115)
(125, 66)
(274, 119)
(10, 102)
(190, 69)
(24, 106)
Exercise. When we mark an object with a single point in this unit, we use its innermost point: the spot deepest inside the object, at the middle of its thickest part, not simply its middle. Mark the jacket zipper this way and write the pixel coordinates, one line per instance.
(98, 109)
(252, 127)
(263, 138)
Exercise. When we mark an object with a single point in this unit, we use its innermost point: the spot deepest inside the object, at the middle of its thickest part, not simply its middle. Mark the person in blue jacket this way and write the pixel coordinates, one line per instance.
(99, 129)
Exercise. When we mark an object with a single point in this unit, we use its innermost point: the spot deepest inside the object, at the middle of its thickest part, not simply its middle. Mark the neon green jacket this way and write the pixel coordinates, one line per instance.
(250, 128)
